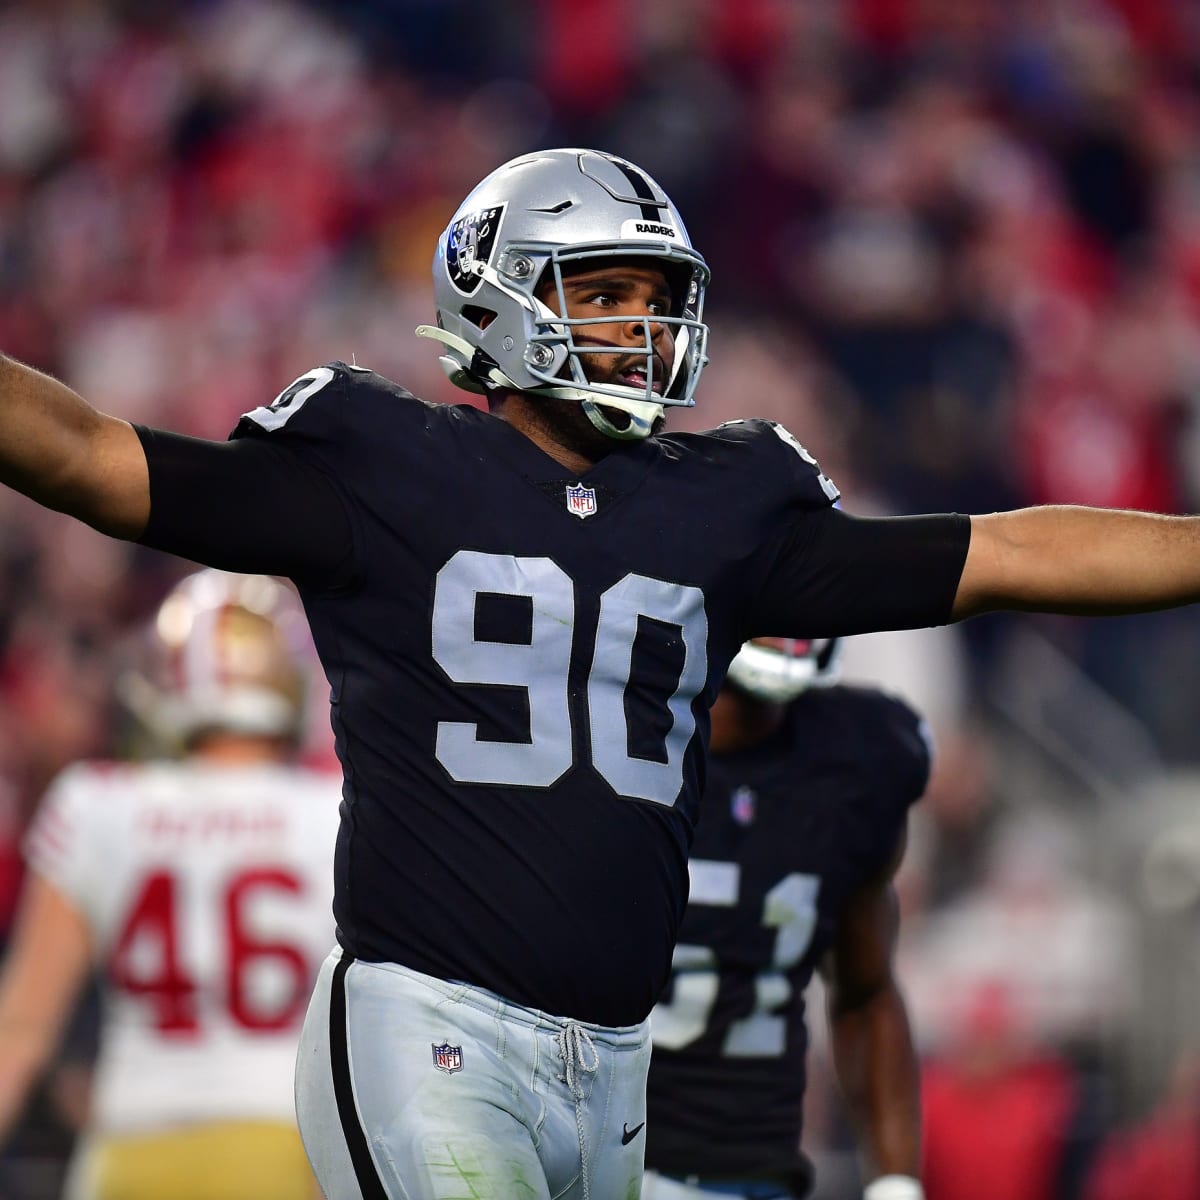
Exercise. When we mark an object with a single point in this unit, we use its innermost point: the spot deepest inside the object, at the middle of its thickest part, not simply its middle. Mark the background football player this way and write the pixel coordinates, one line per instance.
(201, 890)
(522, 673)
(802, 827)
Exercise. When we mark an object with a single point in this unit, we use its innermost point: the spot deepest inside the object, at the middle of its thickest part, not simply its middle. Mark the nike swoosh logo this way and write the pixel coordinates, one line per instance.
(627, 1134)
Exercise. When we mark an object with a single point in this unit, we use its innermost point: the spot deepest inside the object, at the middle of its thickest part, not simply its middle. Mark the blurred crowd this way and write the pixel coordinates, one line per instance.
(955, 248)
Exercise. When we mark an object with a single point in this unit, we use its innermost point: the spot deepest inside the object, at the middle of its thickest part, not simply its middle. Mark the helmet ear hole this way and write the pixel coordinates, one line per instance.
(479, 316)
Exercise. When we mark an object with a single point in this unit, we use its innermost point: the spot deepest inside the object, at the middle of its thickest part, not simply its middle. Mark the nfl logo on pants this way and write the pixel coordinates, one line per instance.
(447, 1058)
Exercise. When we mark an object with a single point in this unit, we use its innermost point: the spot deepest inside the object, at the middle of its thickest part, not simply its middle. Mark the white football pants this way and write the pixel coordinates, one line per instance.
(414, 1088)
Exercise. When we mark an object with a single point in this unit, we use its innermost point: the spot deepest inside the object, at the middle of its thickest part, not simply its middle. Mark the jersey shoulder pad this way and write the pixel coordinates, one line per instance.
(93, 782)
(779, 450)
(79, 814)
(881, 755)
(334, 403)
(896, 740)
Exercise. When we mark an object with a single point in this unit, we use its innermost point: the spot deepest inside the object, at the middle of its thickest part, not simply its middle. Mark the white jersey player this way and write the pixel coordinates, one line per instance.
(201, 889)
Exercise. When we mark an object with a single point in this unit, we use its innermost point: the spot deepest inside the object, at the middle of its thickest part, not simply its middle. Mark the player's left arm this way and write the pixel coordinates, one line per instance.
(873, 1051)
(832, 573)
(1061, 558)
(44, 970)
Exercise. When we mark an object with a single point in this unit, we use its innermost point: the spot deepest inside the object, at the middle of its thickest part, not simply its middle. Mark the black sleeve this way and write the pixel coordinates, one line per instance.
(837, 574)
(246, 506)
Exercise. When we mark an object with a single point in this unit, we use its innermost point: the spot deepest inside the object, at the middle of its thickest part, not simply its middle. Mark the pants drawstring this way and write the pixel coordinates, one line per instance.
(579, 1056)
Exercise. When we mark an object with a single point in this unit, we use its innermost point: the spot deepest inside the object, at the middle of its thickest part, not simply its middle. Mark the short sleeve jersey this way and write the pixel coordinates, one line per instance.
(789, 830)
(207, 892)
(521, 669)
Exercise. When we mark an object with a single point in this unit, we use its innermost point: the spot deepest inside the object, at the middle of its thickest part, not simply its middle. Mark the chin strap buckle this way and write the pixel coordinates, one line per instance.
(468, 367)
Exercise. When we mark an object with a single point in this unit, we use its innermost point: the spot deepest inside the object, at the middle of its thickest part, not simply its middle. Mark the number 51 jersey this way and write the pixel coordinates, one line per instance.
(521, 673)
(207, 891)
(788, 830)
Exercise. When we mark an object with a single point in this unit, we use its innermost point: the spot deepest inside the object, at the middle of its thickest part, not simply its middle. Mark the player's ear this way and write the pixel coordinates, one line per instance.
(482, 317)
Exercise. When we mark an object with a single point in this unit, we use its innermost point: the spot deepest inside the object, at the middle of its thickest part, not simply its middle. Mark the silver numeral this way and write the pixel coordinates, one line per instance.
(541, 665)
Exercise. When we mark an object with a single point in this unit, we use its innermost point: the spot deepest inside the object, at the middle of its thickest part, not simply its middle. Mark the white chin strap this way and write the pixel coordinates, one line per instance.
(642, 416)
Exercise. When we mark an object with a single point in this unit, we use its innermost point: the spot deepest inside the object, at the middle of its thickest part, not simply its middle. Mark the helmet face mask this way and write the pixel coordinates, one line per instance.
(499, 276)
(777, 670)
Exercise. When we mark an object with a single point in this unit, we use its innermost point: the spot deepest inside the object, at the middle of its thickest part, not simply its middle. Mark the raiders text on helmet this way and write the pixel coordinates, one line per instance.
(524, 224)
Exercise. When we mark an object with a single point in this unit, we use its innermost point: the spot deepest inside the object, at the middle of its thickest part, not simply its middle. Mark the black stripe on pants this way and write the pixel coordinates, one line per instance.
(343, 1091)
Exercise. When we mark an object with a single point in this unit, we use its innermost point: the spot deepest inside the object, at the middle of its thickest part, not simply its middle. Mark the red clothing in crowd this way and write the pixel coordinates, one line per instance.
(998, 1136)
(1160, 1161)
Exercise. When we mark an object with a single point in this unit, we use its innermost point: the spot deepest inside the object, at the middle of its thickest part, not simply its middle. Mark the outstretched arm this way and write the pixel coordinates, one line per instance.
(872, 1045)
(44, 969)
(60, 451)
(218, 503)
(837, 574)
(1085, 561)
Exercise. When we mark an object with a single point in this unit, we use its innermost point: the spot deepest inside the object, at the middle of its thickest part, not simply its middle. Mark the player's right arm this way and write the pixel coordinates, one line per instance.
(44, 970)
(59, 450)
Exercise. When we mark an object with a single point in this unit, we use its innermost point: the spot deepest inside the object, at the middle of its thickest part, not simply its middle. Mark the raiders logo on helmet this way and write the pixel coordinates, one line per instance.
(469, 244)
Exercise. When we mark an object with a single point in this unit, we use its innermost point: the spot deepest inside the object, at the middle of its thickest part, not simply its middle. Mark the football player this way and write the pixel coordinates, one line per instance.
(803, 826)
(201, 889)
(525, 614)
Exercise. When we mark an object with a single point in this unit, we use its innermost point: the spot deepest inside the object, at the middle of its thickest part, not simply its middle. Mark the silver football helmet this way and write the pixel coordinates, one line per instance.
(779, 669)
(526, 223)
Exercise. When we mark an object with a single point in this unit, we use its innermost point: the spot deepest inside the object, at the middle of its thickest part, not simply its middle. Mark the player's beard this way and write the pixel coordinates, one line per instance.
(566, 422)
(569, 426)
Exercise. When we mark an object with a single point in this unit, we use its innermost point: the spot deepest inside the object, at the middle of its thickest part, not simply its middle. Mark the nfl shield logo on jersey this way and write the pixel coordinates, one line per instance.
(742, 805)
(581, 500)
(447, 1058)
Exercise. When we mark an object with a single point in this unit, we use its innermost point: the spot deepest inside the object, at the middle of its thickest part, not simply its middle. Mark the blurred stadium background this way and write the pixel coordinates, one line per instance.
(955, 247)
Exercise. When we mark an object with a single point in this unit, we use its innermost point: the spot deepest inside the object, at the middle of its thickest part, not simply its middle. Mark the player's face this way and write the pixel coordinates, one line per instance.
(632, 290)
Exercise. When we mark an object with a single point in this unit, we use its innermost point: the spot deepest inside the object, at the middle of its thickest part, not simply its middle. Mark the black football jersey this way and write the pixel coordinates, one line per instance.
(788, 830)
(521, 679)
(522, 661)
